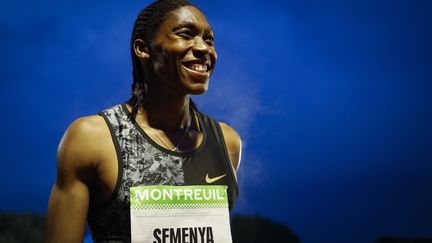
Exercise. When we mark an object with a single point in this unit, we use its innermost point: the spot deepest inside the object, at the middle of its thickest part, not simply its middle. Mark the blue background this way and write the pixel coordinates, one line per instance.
(331, 98)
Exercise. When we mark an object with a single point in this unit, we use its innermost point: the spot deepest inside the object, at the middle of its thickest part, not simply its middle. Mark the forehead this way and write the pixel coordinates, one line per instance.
(187, 15)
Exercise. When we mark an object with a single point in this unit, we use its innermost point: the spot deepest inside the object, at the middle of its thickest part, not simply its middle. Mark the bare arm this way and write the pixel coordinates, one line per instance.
(69, 200)
(233, 143)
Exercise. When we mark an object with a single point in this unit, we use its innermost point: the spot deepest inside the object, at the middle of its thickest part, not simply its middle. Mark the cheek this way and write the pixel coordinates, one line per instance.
(162, 62)
(165, 65)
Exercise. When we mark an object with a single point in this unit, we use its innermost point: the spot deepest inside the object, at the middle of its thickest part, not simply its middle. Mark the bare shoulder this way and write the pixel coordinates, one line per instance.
(78, 152)
(233, 143)
(82, 145)
(85, 128)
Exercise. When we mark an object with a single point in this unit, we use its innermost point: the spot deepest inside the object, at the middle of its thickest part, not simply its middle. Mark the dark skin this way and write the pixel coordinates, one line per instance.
(180, 61)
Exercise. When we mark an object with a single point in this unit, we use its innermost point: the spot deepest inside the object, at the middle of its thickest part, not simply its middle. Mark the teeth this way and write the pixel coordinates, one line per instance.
(198, 68)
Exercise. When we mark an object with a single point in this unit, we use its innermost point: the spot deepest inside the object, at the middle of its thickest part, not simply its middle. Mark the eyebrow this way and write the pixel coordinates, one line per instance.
(192, 26)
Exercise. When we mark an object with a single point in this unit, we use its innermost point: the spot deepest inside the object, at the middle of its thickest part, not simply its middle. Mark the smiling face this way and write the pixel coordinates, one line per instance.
(182, 53)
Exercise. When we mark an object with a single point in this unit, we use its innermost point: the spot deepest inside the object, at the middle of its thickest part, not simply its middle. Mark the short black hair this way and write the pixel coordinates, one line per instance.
(145, 27)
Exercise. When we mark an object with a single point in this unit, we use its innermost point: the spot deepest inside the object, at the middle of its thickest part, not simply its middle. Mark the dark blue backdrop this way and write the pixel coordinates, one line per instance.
(332, 99)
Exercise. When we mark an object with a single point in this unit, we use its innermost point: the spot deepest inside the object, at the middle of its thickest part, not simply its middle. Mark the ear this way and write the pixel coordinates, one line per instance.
(141, 49)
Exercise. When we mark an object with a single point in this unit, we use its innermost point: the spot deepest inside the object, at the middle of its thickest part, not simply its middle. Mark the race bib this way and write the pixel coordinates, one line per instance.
(179, 214)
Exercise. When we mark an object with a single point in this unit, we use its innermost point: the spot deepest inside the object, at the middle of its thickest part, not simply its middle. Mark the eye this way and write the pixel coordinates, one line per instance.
(186, 34)
(209, 40)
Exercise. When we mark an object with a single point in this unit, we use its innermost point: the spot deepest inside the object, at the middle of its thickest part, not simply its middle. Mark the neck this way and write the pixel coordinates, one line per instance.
(166, 111)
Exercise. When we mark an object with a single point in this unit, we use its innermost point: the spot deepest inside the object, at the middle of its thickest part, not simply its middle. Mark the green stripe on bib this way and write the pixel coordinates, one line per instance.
(199, 195)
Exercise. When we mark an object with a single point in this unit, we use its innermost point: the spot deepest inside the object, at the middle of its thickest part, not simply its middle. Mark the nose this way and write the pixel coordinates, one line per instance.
(200, 47)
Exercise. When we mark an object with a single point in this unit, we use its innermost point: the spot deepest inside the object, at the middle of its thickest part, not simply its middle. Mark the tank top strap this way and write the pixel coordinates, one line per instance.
(216, 142)
(212, 128)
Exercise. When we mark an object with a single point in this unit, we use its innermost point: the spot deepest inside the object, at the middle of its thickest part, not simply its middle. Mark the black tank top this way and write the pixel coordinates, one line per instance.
(143, 162)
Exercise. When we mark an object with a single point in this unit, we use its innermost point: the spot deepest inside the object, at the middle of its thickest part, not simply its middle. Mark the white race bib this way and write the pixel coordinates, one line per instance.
(179, 214)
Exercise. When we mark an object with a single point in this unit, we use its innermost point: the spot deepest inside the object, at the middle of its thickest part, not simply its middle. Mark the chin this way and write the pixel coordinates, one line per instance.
(198, 89)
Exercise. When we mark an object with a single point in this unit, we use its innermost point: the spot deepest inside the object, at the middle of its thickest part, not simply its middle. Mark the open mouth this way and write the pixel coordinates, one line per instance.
(200, 66)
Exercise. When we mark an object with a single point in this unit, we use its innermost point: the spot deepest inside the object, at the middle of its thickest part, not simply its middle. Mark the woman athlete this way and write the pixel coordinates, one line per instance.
(157, 137)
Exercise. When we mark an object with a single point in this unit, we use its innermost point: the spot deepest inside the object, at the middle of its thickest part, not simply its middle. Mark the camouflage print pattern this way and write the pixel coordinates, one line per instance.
(140, 164)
